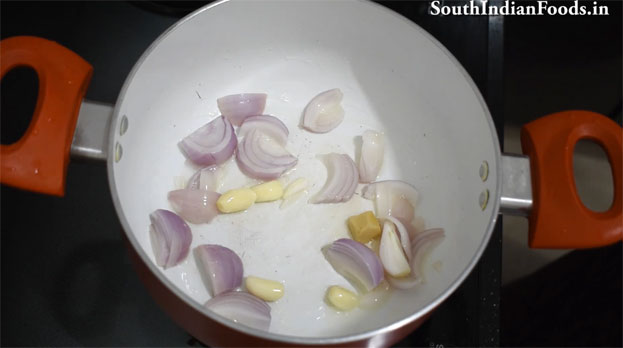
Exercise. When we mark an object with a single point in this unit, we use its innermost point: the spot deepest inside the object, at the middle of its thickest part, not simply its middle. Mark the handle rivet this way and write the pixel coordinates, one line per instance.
(483, 199)
(123, 125)
(484, 171)
(118, 152)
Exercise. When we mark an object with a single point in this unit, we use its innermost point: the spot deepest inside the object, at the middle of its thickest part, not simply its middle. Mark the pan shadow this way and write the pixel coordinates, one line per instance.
(90, 285)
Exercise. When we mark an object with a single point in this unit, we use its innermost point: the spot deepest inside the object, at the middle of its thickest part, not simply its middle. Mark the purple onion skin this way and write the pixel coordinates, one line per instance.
(237, 107)
(175, 234)
(253, 163)
(242, 307)
(222, 266)
(360, 256)
(274, 127)
(214, 154)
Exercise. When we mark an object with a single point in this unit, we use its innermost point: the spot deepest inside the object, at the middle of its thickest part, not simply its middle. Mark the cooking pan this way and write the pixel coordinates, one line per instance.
(395, 78)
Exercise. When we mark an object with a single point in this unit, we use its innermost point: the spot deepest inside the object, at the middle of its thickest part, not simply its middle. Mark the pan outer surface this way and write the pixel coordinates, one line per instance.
(395, 78)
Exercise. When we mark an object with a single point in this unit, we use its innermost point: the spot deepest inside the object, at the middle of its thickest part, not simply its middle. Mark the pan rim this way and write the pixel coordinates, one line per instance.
(495, 201)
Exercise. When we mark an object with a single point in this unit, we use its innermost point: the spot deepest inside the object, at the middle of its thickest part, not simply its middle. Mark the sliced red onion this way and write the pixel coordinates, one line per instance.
(261, 157)
(415, 226)
(221, 265)
(237, 107)
(391, 253)
(355, 262)
(342, 177)
(205, 179)
(211, 144)
(241, 307)
(269, 125)
(324, 112)
(392, 198)
(423, 243)
(170, 238)
(371, 160)
(421, 246)
(195, 206)
(403, 235)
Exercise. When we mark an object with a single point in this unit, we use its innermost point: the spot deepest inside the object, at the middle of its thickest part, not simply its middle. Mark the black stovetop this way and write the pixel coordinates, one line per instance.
(66, 276)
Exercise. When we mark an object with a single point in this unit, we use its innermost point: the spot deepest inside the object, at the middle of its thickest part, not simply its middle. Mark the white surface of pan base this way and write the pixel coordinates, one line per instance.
(436, 136)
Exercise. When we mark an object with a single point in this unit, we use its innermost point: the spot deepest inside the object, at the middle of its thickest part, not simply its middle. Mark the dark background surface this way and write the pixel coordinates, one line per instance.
(67, 279)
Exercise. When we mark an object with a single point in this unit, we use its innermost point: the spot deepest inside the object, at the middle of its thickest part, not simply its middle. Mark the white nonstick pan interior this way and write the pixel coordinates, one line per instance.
(395, 78)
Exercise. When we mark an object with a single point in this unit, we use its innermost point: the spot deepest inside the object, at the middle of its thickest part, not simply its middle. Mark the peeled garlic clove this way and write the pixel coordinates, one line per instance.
(391, 253)
(295, 187)
(293, 191)
(341, 298)
(324, 112)
(371, 160)
(236, 200)
(266, 289)
(268, 191)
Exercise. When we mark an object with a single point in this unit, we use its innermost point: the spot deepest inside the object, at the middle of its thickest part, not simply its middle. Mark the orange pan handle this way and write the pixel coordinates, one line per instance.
(38, 160)
(558, 218)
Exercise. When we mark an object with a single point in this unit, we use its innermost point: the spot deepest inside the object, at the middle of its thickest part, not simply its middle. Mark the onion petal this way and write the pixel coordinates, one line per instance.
(391, 253)
(324, 112)
(421, 246)
(355, 262)
(170, 238)
(392, 198)
(211, 144)
(261, 157)
(241, 307)
(269, 125)
(237, 107)
(221, 266)
(371, 160)
(415, 226)
(207, 179)
(403, 234)
(423, 243)
(195, 206)
(342, 178)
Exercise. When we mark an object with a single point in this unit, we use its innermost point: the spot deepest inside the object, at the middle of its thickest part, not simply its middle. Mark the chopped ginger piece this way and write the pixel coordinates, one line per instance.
(364, 227)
